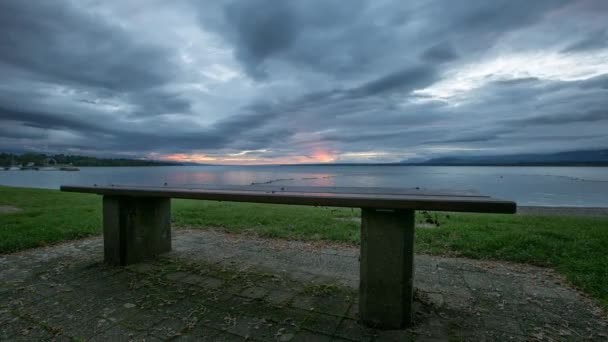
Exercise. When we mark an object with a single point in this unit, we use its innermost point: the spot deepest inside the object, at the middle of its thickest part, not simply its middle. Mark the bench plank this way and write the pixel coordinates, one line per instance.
(334, 197)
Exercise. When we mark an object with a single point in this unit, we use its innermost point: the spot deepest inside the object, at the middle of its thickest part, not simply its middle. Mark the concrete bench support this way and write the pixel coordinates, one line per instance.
(387, 267)
(135, 228)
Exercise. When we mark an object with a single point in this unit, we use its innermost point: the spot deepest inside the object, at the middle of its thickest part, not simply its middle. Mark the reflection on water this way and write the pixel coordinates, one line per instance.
(188, 177)
(575, 186)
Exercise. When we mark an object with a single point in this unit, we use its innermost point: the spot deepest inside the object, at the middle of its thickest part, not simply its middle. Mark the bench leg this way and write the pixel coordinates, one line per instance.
(387, 268)
(135, 228)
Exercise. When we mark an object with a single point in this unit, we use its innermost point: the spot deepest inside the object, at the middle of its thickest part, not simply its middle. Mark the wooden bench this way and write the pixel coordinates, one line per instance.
(137, 225)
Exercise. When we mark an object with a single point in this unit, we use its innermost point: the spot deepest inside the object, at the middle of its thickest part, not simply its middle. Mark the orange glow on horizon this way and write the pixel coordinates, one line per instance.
(182, 157)
(317, 156)
(322, 156)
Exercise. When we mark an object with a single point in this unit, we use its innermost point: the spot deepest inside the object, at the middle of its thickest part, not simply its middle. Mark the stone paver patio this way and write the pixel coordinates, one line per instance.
(223, 287)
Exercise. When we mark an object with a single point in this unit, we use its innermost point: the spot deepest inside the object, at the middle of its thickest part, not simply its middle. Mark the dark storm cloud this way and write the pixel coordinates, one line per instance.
(329, 37)
(55, 45)
(537, 109)
(315, 34)
(492, 17)
(596, 40)
(132, 139)
(404, 80)
(442, 52)
(289, 77)
(383, 136)
(154, 102)
(264, 137)
(595, 82)
(467, 138)
(564, 118)
(257, 115)
(53, 41)
(262, 29)
(16, 130)
(45, 120)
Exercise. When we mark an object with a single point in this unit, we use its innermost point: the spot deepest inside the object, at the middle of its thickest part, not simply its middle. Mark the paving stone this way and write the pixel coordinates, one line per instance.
(503, 324)
(436, 299)
(289, 317)
(168, 327)
(537, 290)
(432, 327)
(216, 286)
(322, 323)
(192, 279)
(477, 281)
(228, 337)
(211, 317)
(6, 316)
(145, 337)
(143, 268)
(116, 311)
(353, 311)
(141, 321)
(73, 325)
(254, 292)
(22, 330)
(252, 328)
(114, 333)
(202, 333)
(303, 302)
(279, 297)
(175, 276)
(176, 308)
(211, 283)
(350, 329)
(334, 304)
(394, 336)
(285, 333)
(306, 335)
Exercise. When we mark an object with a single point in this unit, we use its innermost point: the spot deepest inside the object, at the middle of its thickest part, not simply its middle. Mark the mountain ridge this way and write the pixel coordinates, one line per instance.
(566, 158)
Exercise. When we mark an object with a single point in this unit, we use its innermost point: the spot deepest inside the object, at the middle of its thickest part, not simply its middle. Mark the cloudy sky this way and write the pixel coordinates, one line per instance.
(265, 81)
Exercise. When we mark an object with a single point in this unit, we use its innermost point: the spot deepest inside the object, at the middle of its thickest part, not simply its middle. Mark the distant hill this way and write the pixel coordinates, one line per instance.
(570, 158)
(40, 159)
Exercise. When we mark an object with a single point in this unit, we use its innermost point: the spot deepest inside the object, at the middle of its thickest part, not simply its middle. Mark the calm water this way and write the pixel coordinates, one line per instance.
(555, 186)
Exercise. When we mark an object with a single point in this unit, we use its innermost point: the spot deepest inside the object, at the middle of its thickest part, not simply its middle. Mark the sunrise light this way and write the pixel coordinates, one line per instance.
(246, 158)
(322, 156)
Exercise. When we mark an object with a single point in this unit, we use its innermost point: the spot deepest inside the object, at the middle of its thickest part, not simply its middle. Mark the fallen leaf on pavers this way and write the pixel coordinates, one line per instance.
(191, 323)
(229, 320)
(286, 337)
(280, 332)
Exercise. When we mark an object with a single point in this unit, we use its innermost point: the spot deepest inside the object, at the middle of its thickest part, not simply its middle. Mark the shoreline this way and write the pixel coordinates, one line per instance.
(548, 210)
(563, 211)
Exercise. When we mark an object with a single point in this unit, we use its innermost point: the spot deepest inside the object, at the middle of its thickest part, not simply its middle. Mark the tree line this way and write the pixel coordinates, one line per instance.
(40, 159)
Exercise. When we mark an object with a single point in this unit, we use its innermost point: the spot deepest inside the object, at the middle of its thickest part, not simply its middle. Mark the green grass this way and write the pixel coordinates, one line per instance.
(577, 247)
(48, 216)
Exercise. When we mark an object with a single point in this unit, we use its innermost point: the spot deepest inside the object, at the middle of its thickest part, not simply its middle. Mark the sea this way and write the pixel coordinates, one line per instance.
(529, 186)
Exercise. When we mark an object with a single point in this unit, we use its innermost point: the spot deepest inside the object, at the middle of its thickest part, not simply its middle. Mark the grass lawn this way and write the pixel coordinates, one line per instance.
(575, 246)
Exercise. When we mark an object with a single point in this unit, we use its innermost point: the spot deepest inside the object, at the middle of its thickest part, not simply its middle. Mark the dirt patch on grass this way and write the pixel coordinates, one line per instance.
(9, 209)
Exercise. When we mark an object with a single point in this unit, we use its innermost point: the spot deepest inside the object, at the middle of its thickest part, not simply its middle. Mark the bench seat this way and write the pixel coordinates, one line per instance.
(137, 225)
(382, 198)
